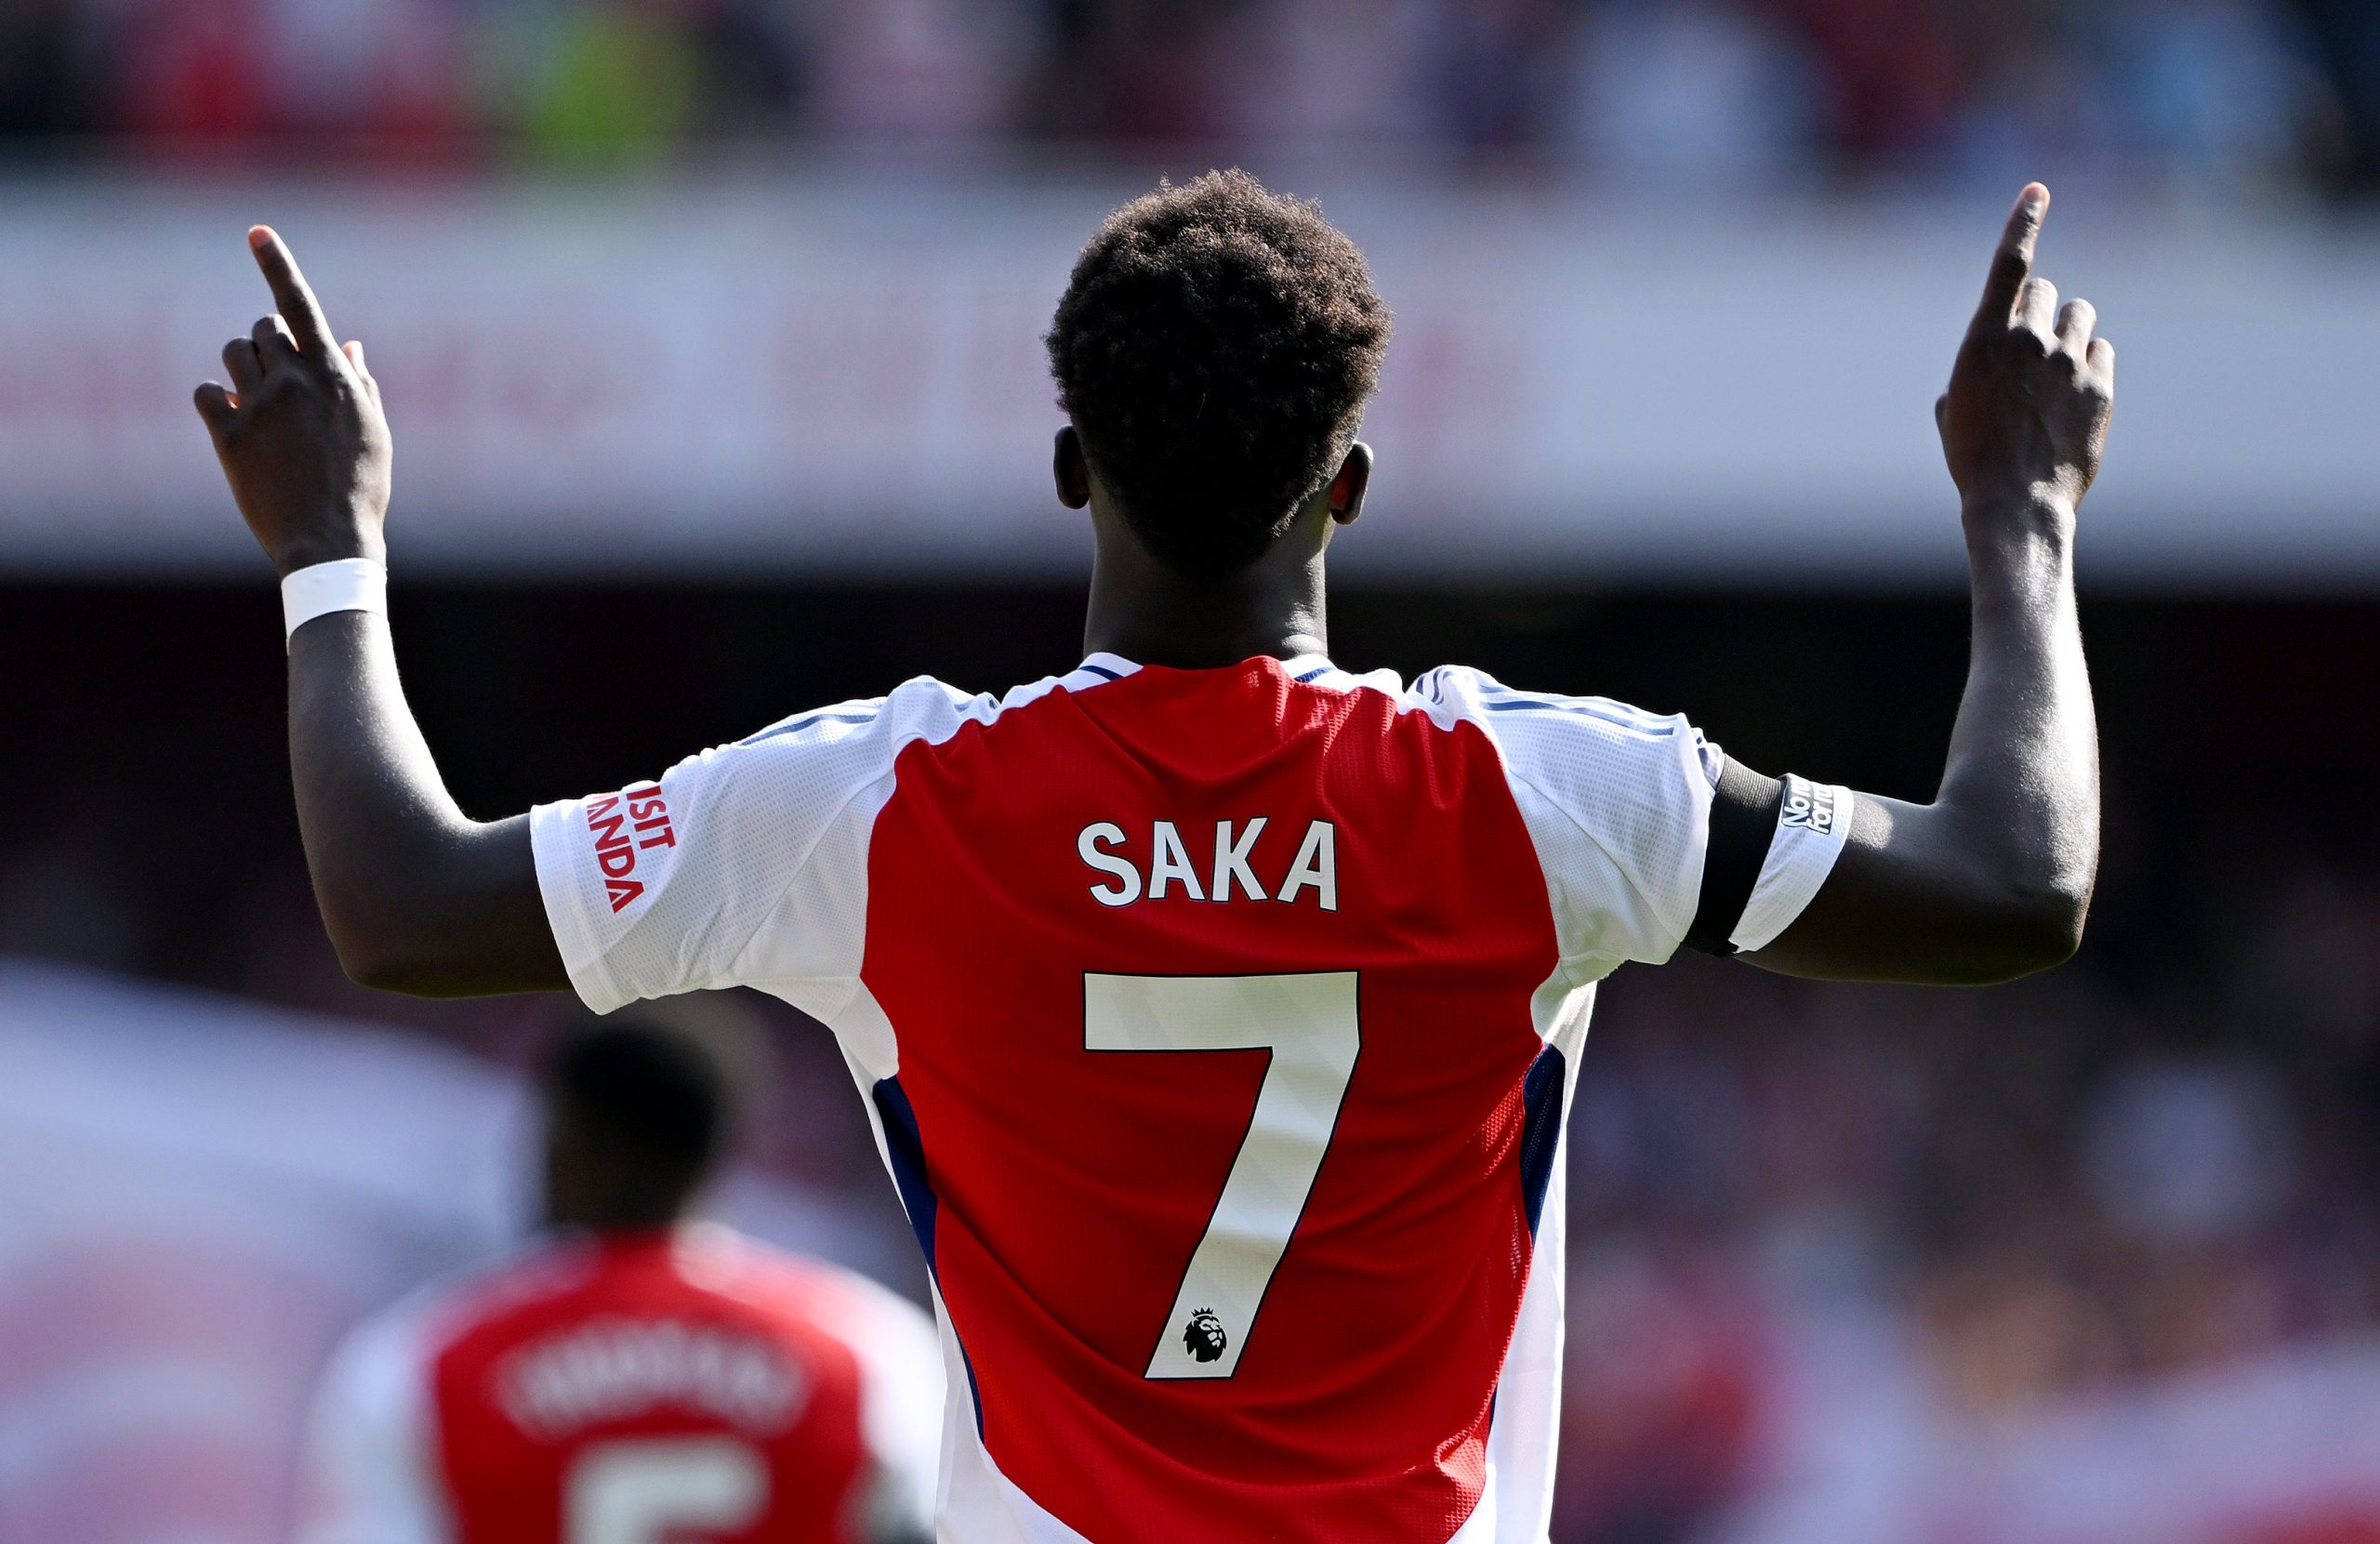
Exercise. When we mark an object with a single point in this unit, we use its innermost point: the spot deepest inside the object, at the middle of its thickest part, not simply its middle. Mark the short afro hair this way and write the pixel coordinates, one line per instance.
(1215, 349)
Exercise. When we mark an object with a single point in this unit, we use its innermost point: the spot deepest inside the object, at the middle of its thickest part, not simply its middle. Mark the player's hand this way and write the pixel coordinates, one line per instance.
(300, 432)
(2025, 418)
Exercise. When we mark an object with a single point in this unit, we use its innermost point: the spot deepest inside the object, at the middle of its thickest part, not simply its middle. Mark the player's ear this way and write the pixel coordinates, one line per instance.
(1347, 488)
(1071, 470)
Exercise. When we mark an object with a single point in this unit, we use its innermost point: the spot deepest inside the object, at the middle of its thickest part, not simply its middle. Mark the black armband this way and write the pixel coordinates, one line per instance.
(1744, 809)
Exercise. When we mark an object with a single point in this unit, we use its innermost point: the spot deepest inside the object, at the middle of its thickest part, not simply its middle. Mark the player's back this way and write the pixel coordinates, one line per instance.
(628, 1389)
(1217, 1025)
(1211, 992)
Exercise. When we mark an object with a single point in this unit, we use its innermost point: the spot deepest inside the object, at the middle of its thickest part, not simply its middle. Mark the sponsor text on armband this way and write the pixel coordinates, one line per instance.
(625, 825)
(1809, 806)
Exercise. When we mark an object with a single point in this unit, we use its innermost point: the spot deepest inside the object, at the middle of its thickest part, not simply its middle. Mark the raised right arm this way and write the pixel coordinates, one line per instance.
(1991, 879)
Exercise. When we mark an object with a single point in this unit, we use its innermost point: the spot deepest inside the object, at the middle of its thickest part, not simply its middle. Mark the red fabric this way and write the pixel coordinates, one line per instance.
(196, 72)
(1072, 1186)
(508, 1485)
(2346, 1526)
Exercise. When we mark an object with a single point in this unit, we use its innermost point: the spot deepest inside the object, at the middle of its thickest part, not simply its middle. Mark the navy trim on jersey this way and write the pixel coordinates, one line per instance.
(1100, 670)
(1315, 674)
(906, 1150)
(1579, 699)
(1541, 1093)
(908, 1156)
(1581, 707)
(795, 726)
(1540, 1139)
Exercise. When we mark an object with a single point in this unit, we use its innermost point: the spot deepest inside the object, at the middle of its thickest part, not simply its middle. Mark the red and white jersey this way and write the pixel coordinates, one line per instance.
(643, 1389)
(1216, 1026)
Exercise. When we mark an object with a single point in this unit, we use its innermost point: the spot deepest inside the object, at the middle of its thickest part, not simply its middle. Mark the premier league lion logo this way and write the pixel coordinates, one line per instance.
(1203, 1337)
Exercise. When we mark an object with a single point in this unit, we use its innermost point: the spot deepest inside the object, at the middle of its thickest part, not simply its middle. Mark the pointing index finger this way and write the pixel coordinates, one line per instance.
(2013, 264)
(290, 295)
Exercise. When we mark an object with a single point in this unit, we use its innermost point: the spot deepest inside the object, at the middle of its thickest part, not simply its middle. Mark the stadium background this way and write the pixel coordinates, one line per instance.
(709, 331)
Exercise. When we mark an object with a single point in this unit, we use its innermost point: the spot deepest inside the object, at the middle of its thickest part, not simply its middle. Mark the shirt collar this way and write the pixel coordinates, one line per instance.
(1115, 667)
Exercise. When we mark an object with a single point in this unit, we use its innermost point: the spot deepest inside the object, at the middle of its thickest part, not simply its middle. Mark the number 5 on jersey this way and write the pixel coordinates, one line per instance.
(649, 1490)
(1308, 1023)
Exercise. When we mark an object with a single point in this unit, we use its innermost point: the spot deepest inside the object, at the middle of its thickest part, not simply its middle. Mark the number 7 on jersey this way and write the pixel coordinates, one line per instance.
(1308, 1022)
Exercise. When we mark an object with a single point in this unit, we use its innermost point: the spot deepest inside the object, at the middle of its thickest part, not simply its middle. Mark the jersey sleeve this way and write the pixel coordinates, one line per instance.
(369, 1472)
(1617, 801)
(742, 866)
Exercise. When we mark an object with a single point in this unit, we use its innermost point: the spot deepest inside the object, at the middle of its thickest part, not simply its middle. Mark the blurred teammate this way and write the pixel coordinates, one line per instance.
(1217, 1007)
(632, 1379)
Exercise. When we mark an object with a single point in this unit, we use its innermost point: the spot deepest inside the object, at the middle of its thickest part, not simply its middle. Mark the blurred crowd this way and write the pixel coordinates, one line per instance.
(2015, 1199)
(2220, 93)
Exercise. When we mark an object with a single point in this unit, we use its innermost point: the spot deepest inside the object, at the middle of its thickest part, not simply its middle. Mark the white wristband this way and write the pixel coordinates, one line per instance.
(350, 584)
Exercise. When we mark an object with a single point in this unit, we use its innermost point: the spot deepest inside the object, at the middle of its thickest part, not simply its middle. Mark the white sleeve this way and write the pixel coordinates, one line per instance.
(370, 1473)
(1617, 801)
(744, 865)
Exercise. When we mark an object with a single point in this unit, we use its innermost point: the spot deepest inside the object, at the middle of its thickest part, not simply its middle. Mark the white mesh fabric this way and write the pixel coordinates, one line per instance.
(764, 878)
(1618, 802)
(757, 875)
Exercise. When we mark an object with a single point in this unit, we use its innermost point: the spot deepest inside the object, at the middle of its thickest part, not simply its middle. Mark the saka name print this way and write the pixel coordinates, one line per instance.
(623, 825)
(1313, 874)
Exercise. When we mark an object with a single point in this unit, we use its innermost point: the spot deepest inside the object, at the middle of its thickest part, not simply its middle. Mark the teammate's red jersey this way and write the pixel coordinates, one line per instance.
(639, 1389)
(1218, 1026)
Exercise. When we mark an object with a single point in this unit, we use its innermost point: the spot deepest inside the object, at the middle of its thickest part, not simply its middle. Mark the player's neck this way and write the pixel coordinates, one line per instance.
(1153, 616)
